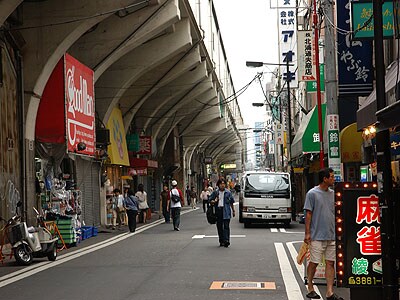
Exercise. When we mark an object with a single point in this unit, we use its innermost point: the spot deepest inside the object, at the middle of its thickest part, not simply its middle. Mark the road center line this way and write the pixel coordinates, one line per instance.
(293, 290)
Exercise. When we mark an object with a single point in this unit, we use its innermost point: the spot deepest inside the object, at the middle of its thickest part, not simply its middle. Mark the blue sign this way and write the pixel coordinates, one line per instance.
(354, 57)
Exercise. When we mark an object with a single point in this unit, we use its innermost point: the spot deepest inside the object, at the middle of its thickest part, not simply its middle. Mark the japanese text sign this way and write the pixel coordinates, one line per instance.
(79, 101)
(144, 145)
(358, 235)
(306, 56)
(287, 26)
(354, 57)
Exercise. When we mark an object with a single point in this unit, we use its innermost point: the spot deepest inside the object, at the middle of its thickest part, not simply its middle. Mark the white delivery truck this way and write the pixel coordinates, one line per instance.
(265, 197)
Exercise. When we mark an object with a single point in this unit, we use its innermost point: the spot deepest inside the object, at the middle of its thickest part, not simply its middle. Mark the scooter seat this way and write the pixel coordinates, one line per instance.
(31, 229)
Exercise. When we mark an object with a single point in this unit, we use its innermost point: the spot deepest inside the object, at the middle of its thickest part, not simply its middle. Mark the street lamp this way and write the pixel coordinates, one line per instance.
(257, 64)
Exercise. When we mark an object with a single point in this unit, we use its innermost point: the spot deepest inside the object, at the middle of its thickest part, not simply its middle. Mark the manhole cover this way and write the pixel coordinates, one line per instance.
(242, 285)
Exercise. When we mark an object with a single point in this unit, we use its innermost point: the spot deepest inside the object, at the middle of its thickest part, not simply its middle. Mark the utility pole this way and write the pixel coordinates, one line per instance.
(384, 176)
(331, 93)
(289, 113)
(317, 69)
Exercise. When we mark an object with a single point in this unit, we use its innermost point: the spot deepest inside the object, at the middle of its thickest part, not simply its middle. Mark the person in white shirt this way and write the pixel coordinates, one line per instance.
(204, 197)
(142, 197)
(175, 203)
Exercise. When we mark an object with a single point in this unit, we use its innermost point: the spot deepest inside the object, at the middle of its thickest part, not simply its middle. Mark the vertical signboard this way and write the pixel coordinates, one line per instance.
(80, 111)
(358, 235)
(287, 26)
(305, 56)
(354, 57)
(333, 145)
(279, 134)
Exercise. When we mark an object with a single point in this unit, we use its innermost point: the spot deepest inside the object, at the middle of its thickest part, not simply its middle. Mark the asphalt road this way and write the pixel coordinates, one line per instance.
(159, 263)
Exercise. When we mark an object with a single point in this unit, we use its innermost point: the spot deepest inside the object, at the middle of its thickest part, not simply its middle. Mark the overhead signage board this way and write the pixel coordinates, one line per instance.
(287, 27)
(355, 72)
(358, 235)
(362, 20)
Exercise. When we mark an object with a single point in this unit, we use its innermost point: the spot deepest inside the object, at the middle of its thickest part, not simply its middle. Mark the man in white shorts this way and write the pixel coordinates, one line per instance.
(320, 232)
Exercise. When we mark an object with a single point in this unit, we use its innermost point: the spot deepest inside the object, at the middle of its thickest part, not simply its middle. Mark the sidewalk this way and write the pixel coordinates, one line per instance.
(9, 265)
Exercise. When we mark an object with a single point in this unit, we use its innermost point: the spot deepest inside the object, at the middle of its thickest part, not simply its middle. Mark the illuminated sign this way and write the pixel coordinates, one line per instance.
(358, 235)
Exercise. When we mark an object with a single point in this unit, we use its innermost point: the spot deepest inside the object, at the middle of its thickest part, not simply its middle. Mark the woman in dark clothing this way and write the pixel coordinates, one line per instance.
(131, 205)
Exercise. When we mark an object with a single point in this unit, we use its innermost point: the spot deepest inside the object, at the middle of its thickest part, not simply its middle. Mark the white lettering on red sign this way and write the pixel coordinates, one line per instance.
(80, 116)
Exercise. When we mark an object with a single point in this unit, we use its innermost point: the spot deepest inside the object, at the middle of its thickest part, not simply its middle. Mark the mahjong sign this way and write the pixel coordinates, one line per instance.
(358, 235)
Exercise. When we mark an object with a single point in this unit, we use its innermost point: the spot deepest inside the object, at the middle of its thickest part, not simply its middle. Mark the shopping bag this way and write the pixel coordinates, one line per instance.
(211, 215)
(302, 253)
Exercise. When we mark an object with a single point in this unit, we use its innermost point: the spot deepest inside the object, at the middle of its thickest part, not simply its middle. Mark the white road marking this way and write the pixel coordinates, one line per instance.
(202, 236)
(300, 268)
(283, 230)
(293, 290)
(31, 270)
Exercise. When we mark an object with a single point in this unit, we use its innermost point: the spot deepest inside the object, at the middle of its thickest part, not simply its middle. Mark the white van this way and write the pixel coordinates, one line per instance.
(265, 197)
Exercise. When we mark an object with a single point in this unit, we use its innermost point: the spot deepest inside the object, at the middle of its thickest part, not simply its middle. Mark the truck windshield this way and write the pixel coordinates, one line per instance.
(267, 183)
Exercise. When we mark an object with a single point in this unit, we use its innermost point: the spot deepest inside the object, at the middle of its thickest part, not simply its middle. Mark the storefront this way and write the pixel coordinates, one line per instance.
(116, 165)
(66, 168)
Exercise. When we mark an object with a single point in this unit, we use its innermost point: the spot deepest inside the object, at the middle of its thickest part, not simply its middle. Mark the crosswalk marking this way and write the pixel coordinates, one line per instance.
(274, 229)
(202, 236)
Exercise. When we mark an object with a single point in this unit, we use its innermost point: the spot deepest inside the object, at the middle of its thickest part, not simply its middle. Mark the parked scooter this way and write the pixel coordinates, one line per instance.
(30, 242)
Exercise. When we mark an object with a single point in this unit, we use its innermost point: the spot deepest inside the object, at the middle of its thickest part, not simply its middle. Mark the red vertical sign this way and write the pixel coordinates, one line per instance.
(80, 110)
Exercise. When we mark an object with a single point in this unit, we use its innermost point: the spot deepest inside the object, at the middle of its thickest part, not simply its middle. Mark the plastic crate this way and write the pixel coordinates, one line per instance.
(86, 232)
(95, 231)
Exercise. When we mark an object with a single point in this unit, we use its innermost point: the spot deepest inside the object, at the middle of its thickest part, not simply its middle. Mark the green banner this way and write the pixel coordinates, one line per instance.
(362, 20)
(333, 140)
(312, 85)
(132, 141)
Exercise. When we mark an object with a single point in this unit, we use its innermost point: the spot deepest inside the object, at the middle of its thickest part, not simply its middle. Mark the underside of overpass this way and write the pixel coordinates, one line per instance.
(149, 59)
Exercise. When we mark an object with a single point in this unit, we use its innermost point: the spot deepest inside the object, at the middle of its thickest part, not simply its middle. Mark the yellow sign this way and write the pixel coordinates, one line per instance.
(228, 166)
(117, 150)
(351, 142)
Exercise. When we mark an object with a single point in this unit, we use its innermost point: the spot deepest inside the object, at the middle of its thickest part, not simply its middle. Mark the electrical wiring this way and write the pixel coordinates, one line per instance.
(79, 19)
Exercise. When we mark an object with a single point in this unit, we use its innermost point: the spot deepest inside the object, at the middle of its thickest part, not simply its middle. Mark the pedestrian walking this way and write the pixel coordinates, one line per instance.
(175, 203)
(142, 197)
(119, 207)
(187, 192)
(193, 197)
(204, 197)
(223, 200)
(131, 204)
(320, 232)
(164, 202)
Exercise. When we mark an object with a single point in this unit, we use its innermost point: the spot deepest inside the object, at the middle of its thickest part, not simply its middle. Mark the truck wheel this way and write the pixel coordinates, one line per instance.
(286, 224)
(240, 216)
(23, 255)
(246, 224)
(52, 256)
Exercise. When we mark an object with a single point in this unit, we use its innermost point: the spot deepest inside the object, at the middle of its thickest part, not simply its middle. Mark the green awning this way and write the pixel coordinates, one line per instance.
(306, 139)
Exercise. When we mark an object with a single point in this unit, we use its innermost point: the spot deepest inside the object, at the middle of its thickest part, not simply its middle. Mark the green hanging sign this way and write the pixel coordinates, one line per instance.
(132, 141)
(362, 20)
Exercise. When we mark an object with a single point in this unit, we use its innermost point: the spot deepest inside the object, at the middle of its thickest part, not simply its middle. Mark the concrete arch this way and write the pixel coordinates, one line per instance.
(168, 14)
(140, 61)
(46, 45)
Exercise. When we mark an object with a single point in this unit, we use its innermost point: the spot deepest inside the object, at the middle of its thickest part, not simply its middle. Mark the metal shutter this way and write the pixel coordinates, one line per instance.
(88, 179)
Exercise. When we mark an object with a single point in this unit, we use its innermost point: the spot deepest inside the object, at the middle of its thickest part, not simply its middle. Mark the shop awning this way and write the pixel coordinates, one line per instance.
(366, 114)
(350, 143)
(306, 139)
